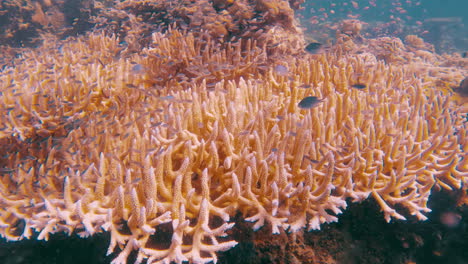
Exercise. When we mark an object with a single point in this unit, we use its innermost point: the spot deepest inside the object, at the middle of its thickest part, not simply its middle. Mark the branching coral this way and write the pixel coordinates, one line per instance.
(162, 148)
(270, 23)
(140, 162)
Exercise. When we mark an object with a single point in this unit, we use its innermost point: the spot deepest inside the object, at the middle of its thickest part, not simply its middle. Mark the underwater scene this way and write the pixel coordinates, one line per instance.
(224, 131)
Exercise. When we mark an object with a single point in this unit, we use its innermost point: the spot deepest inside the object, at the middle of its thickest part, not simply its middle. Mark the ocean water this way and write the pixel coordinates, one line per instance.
(382, 10)
(436, 21)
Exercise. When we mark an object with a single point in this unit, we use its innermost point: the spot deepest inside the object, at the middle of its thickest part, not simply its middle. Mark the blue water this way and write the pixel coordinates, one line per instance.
(439, 22)
(383, 9)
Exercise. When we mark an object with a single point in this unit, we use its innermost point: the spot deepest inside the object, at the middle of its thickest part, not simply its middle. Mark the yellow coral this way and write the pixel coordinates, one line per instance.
(92, 147)
(175, 140)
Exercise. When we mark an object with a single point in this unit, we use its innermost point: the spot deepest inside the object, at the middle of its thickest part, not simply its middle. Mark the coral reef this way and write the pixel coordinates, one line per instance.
(162, 140)
(22, 22)
(269, 23)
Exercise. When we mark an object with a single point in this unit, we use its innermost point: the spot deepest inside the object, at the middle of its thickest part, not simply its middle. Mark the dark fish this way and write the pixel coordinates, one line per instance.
(305, 86)
(359, 86)
(465, 54)
(309, 102)
(311, 160)
(102, 64)
(313, 47)
(136, 180)
(463, 88)
(29, 158)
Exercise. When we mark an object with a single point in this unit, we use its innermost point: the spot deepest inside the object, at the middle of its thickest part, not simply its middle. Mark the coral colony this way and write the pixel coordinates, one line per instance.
(180, 132)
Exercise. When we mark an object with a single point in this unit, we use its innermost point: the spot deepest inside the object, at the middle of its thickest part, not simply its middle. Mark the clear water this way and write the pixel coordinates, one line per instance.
(440, 22)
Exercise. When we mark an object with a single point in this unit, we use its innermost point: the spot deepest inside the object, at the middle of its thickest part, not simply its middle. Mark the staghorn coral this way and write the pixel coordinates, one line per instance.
(443, 71)
(162, 148)
(418, 43)
(270, 23)
(99, 147)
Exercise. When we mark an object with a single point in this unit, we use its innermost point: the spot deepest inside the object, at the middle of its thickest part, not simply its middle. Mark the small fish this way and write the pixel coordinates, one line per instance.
(309, 102)
(310, 159)
(281, 70)
(29, 158)
(450, 219)
(313, 47)
(465, 54)
(169, 97)
(156, 124)
(359, 86)
(137, 68)
(6, 170)
(102, 64)
(243, 133)
(135, 181)
(463, 88)
(305, 86)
